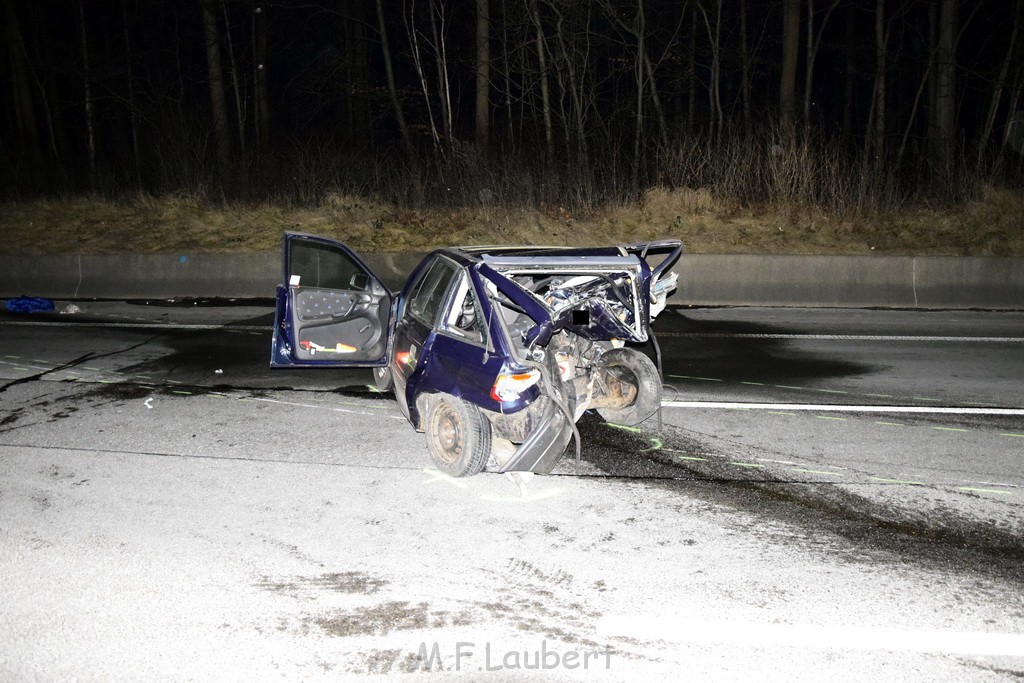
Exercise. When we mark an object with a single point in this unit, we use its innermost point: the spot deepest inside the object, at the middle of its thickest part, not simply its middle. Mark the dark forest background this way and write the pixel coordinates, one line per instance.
(847, 104)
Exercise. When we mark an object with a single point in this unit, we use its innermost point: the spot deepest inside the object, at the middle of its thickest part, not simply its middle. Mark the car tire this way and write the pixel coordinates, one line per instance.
(635, 367)
(382, 379)
(458, 436)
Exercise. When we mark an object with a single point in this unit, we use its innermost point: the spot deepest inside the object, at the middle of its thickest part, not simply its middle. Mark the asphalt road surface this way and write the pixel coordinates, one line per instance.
(831, 494)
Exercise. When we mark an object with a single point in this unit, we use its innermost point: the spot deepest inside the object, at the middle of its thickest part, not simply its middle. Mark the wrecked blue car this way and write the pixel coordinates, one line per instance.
(493, 352)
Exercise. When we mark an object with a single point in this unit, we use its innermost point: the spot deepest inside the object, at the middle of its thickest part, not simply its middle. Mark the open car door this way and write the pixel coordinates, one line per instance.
(332, 310)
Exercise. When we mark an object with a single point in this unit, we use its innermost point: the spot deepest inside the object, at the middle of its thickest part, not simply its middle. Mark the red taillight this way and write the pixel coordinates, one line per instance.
(403, 357)
(508, 387)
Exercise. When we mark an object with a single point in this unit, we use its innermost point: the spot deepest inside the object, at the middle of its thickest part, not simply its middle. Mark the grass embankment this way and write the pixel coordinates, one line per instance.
(990, 225)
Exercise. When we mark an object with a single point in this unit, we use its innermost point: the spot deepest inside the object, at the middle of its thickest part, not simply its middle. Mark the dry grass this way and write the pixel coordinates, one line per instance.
(990, 224)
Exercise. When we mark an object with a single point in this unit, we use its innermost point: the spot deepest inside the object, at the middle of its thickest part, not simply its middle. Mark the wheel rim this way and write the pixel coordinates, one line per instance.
(448, 434)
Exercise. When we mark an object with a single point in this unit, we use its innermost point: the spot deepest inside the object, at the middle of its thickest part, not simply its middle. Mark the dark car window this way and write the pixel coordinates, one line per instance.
(428, 294)
(312, 264)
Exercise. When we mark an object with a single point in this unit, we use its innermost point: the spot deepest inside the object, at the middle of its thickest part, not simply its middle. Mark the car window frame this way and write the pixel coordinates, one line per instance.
(460, 288)
(440, 261)
(315, 246)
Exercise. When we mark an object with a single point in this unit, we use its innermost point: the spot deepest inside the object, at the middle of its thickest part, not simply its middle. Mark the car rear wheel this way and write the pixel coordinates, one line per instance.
(382, 378)
(630, 375)
(458, 436)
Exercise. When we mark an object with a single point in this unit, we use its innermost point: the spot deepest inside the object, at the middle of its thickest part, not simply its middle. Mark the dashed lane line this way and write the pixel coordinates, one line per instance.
(700, 379)
(938, 410)
(907, 482)
(139, 326)
(791, 387)
(807, 471)
(845, 337)
(973, 489)
(839, 638)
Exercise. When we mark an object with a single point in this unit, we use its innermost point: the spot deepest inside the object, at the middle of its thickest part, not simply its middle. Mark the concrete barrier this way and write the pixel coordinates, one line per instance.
(704, 279)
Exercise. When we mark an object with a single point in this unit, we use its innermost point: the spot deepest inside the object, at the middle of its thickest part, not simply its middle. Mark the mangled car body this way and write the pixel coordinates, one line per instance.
(493, 352)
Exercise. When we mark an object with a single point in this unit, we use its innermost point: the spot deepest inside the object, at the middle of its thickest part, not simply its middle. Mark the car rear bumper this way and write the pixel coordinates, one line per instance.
(545, 444)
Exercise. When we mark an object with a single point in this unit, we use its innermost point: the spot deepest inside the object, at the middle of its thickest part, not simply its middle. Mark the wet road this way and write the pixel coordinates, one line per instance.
(848, 469)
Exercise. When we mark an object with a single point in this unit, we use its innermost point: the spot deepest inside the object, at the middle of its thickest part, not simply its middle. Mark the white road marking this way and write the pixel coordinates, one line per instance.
(135, 326)
(815, 636)
(952, 410)
(842, 337)
(336, 410)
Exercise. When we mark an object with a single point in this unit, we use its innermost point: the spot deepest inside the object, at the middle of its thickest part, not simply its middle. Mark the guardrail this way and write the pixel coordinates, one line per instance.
(704, 279)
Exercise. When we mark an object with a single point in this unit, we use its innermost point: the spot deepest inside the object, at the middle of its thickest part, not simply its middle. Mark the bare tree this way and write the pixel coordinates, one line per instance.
(813, 45)
(790, 54)
(396, 105)
(877, 144)
(24, 108)
(745, 67)
(211, 33)
(409, 18)
(483, 76)
(90, 129)
(945, 84)
(1000, 86)
(235, 84)
(573, 60)
(132, 108)
(714, 86)
(439, 33)
(259, 47)
(545, 95)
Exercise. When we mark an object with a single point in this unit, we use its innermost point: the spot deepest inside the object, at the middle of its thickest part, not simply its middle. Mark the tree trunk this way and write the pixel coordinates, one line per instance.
(849, 76)
(745, 69)
(574, 126)
(235, 85)
(1000, 87)
(808, 69)
(691, 60)
(24, 108)
(260, 65)
(218, 104)
(507, 77)
(403, 129)
(544, 89)
(90, 130)
(813, 45)
(878, 135)
(638, 130)
(443, 82)
(790, 54)
(417, 61)
(945, 84)
(655, 98)
(483, 76)
(132, 110)
(714, 86)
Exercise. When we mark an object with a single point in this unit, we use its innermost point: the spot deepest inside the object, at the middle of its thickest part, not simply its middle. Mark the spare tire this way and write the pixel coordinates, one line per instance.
(632, 367)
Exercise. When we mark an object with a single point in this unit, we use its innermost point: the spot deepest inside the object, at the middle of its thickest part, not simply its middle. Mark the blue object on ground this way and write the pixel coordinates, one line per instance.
(29, 304)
